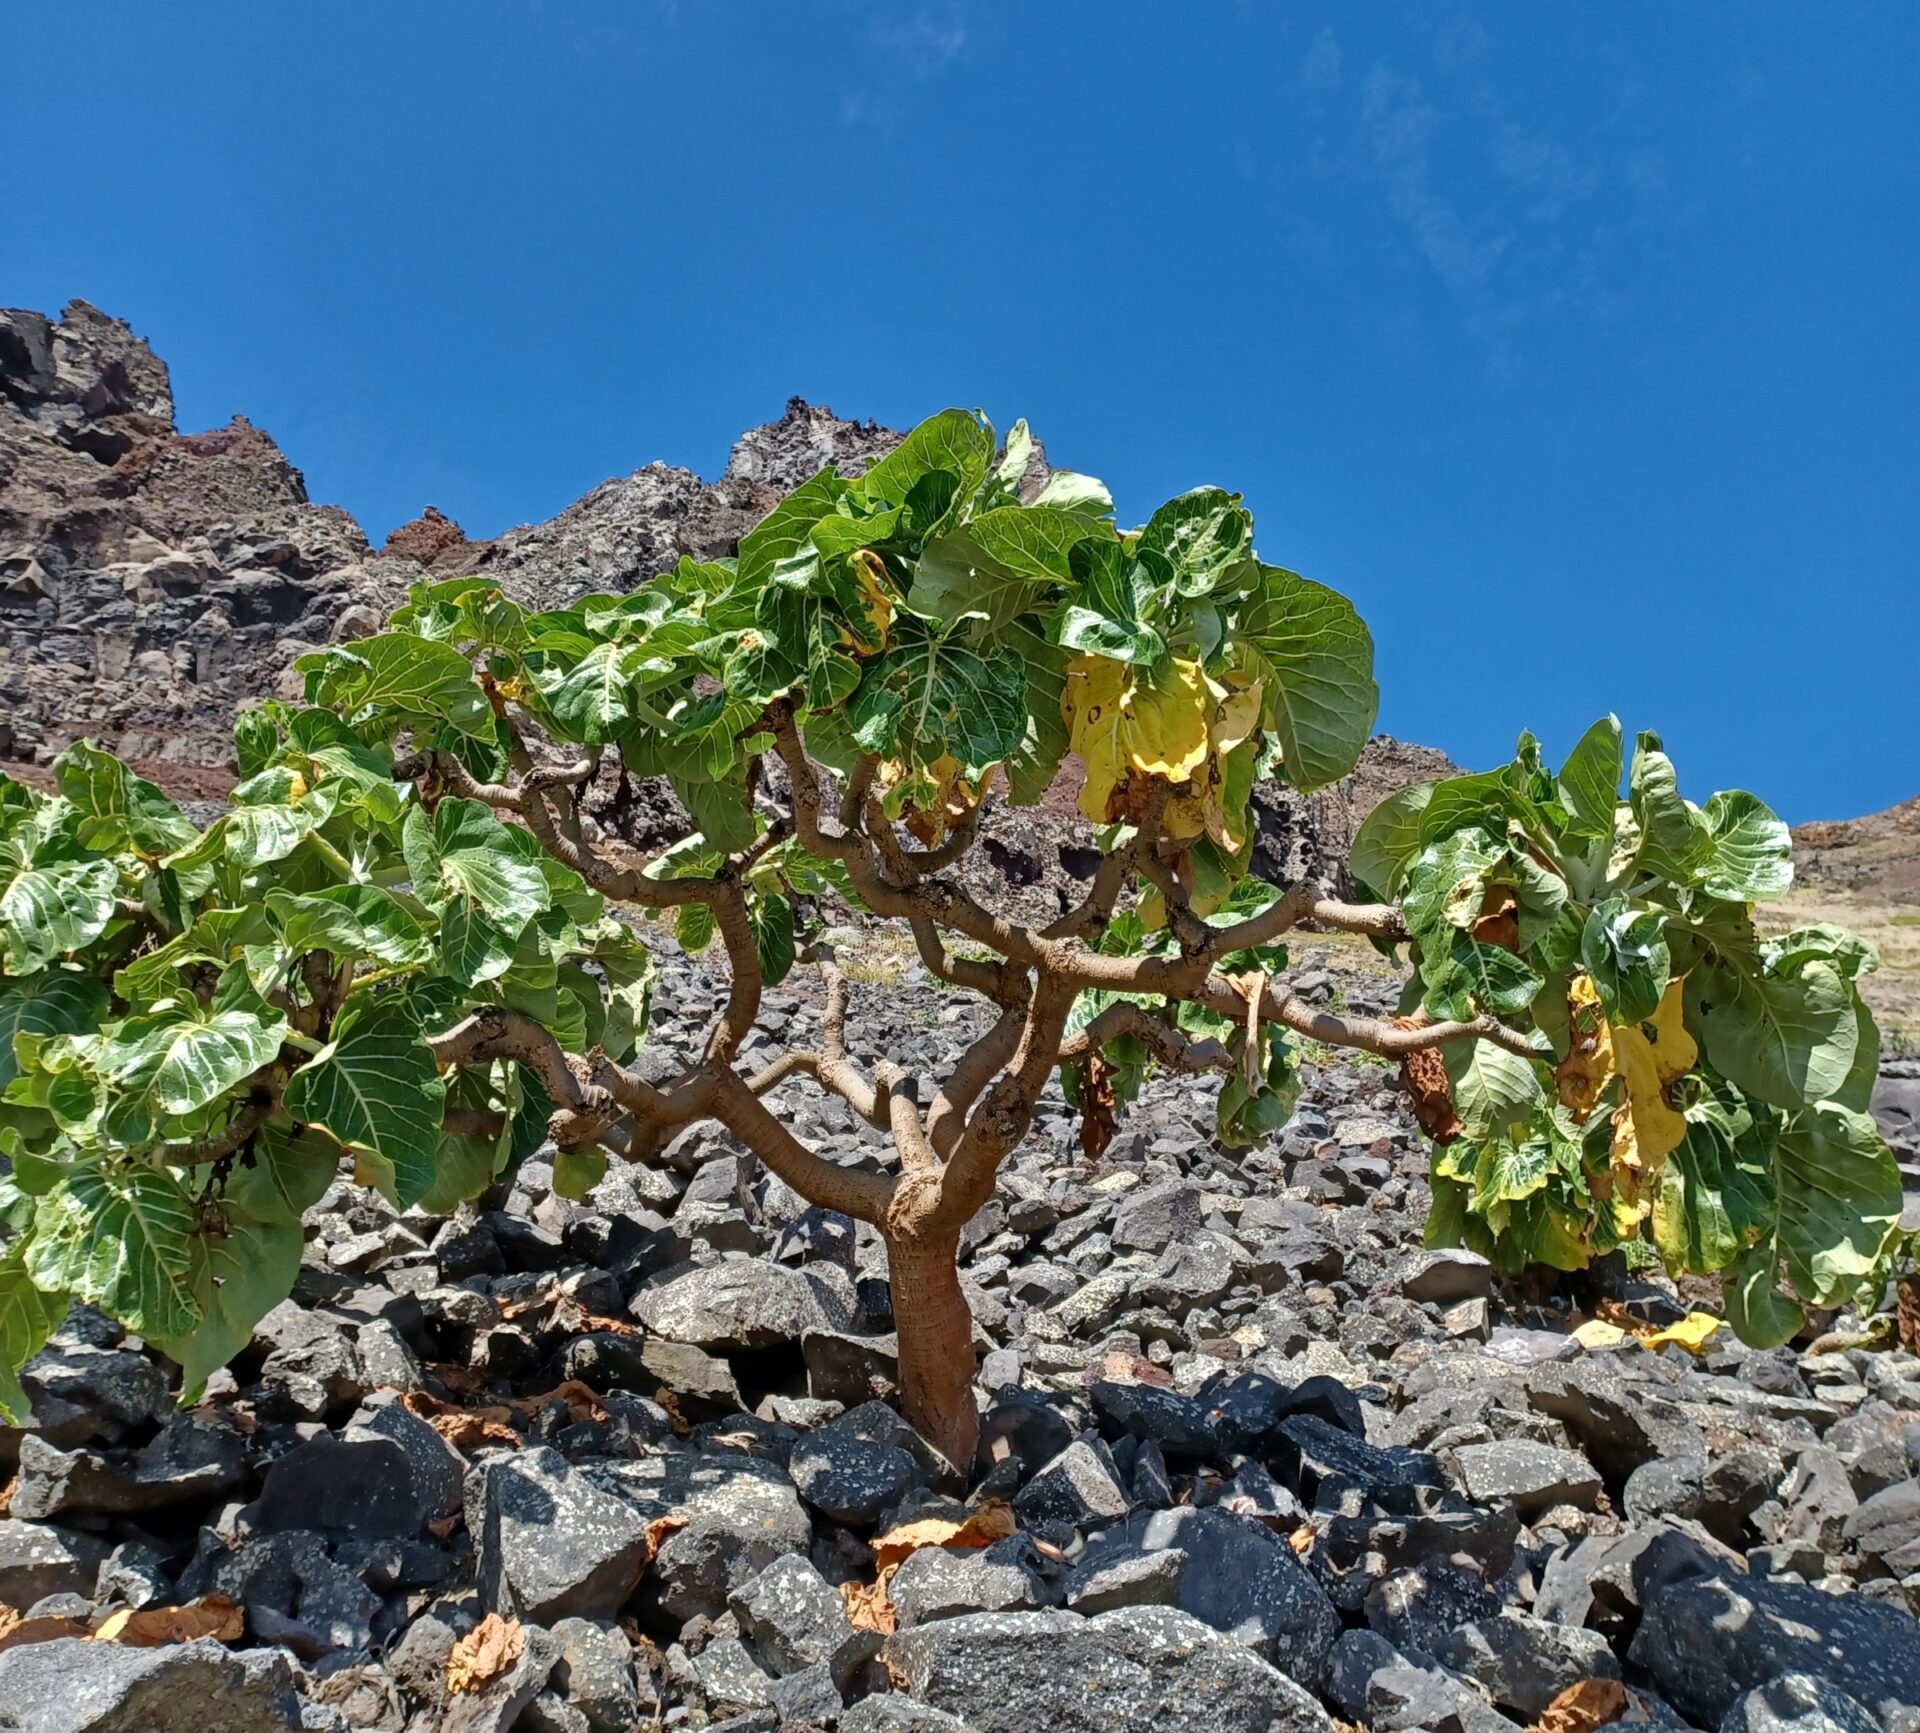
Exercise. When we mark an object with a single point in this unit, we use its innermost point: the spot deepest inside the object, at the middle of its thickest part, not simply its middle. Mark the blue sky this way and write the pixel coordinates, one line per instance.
(1578, 347)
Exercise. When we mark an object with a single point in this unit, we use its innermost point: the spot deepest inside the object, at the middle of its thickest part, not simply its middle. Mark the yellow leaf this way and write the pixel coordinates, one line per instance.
(1597, 1333)
(1650, 1056)
(1119, 721)
(876, 606)
(1675, 1052)
(1583, 1074)
(1692, 1332)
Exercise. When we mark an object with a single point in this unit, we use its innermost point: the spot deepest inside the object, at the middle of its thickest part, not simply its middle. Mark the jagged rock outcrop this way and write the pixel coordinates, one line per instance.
(152, 581)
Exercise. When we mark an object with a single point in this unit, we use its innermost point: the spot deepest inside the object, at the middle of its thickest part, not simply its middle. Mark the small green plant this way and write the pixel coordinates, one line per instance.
(401, 946)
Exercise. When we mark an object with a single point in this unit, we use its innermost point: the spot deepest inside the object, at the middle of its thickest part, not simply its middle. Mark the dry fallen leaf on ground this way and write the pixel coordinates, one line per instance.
(991, 1522)
(870, 1606)
(155, 1627)
(657, 1532)
(1583, 1707)
(463, 1428)
(484, 1653)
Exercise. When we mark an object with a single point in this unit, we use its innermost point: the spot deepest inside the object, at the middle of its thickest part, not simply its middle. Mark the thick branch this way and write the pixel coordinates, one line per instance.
(852, 1191)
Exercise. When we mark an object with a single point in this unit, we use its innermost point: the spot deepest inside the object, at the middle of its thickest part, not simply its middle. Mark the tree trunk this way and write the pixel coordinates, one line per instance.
(935, 1331)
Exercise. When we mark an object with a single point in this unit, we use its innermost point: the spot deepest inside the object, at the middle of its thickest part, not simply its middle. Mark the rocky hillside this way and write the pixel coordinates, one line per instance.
(1253, 1459)
(153, 581)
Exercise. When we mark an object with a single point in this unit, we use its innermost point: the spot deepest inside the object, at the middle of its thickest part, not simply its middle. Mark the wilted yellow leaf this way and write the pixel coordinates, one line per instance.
(1646, 1129)
(1692, 1332)
(1119, 720)
(1675, 1052)
(1597, 1333)
(1583, 1074)
(876, 606)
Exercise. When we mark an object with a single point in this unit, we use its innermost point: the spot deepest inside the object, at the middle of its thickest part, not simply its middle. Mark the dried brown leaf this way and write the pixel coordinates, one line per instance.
(463, 1428)
(1583, 1707)
(657, 1532)
(486, 1652)
(869, 1605)
(993, 1521)
(17, 1631)
(155, 1627)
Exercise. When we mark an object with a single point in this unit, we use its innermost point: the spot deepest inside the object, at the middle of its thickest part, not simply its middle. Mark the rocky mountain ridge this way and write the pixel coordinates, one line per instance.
(153, 581)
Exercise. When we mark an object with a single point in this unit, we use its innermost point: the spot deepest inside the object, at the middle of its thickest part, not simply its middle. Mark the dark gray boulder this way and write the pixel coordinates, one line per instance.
(74, 1686)
(1704, 1640)
(551, 1543)
(1138, 1667)
(1797, 1703)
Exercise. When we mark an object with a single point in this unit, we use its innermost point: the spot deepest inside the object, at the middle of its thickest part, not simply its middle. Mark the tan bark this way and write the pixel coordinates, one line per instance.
(934, 1329)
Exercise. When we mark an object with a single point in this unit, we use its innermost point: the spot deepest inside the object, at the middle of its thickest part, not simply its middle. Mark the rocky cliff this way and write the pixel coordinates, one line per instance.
(153, 581)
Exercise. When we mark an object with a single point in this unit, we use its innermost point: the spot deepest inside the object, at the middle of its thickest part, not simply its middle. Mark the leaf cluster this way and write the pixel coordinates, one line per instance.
(1694, 1086)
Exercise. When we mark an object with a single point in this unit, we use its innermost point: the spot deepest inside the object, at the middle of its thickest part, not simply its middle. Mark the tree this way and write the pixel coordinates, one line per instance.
(397, 945)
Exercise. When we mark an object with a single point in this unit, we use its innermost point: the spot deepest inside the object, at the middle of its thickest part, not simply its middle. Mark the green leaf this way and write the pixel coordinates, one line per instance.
(1388, 839)
(722, 812)
(1447, 881)
(1624, 949)
(118, 809)
(1673, 838)
(1789, 1038)
(693, 927)
(1839, 1199)
(955, 442)
(47, 911)
(1463, 978)
(1309, 646)
(998, 566)
(930, 697)
(463, 851)
(356, 920)
(187, 1058)
(1031, 770)
(577, 1171)
(51, 1002)
(772, 921)
(783, 533)
(1492, 1088)
(374, 1087)
(28, 1316)
(1760, 1314)
(1752, 858)
(120, 1238)
(398, 677)
(285, 1172)
(1590, 781)
(1509, 1169)
(1713, 1197)
(1081, 494)
(240, 1270)
(1204, 536)
(592, 700)
(1112, 610)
